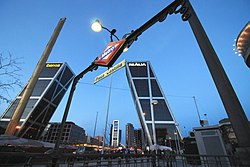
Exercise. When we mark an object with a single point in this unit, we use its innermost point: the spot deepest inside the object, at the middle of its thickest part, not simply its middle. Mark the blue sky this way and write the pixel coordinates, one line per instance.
(170, 46)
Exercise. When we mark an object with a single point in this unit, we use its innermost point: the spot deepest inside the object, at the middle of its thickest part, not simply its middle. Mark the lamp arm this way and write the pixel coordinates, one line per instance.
(112, 33)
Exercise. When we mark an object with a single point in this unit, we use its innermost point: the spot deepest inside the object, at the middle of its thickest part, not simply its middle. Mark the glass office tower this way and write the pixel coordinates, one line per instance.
(157, 120)
(49, 90)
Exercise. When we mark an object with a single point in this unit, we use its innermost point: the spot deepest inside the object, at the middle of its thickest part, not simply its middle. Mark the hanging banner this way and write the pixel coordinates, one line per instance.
(110, 71)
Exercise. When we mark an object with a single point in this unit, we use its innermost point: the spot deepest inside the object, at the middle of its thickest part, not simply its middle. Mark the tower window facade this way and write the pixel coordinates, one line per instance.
(157, 120)
(49, 90)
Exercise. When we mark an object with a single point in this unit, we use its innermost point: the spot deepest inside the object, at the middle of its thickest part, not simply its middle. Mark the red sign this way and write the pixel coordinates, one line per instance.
(110, 54)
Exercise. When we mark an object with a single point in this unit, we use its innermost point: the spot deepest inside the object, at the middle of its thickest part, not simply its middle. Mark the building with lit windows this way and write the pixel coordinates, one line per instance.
(134, 137)
(129, 135)
(156, 119)
(139, 139)
(49, 90)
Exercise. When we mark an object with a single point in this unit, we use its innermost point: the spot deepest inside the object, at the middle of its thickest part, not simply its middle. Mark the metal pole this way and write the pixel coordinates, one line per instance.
(107, 114)
(229, 98)
(11, 128)
(66, 111)
(95, 124)
(153, 123)
(175, 133)
(56, 151)
(197, 111)
(178, 142)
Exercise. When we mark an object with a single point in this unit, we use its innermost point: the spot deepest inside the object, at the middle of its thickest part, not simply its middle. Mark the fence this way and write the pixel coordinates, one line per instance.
(117, 160)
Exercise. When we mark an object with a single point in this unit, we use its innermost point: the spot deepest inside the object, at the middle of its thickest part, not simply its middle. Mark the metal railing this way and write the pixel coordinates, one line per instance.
(117, 160)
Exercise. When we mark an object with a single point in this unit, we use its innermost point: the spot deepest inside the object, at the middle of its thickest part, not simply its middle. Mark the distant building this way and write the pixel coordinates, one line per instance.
(115, 134)
(100, 140)
(134, 137)
(139, 139)
(49, 90)
(91, 140)
(243, 43)
(110, 134)
(130, 135)
(156, 119)
(72, 133)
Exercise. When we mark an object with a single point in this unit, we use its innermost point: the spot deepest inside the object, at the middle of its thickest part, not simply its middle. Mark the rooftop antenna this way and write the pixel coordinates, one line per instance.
(196, 106)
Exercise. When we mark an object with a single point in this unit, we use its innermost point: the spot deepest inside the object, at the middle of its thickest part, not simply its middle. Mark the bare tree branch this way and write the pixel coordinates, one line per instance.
(9, 74)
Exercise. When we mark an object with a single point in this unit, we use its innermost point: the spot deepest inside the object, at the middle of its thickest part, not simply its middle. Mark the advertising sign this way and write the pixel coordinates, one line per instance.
(53, 65)
(110, 71)
(137, 64)
(110, 54)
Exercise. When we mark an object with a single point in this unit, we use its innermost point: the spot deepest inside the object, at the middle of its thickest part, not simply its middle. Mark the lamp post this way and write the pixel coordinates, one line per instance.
(97, 27)
(107, 115)
(178, 141)
(169, 138)
(153, 103)
(176, 147)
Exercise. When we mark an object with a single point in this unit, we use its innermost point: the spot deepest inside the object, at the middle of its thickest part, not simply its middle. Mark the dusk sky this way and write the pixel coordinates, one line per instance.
(170, 46)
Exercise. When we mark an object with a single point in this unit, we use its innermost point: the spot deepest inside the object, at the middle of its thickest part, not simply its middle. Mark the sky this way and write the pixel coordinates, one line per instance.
(170, 46)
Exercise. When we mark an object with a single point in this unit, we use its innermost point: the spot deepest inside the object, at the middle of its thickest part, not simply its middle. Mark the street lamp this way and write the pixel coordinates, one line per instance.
(153, 103)
(97, 27)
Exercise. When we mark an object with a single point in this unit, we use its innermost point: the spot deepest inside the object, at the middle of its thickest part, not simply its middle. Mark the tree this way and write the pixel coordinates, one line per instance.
(9, 75)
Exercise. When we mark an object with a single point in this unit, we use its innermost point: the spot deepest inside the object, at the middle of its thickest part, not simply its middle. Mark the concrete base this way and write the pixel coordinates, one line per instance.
(243, 153)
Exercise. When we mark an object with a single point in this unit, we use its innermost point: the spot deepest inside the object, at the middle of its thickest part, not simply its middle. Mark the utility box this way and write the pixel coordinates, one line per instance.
(210, 143)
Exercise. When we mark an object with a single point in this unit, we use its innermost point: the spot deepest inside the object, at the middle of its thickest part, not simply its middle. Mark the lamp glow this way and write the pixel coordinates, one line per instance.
(154, 102)
(18, 127)
(96, 26)
(125, 49)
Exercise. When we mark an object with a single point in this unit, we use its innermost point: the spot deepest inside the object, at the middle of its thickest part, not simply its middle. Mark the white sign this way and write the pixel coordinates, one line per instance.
(138, 64)
(110, 71)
